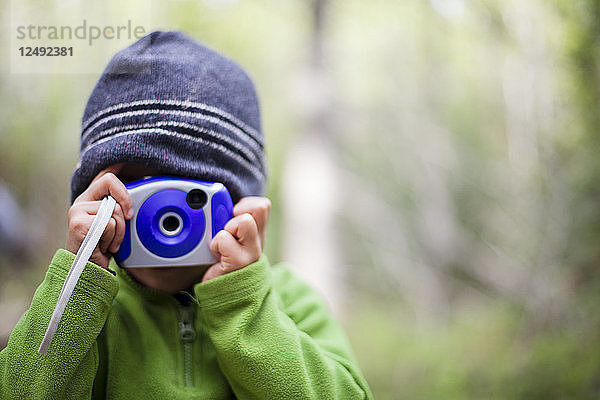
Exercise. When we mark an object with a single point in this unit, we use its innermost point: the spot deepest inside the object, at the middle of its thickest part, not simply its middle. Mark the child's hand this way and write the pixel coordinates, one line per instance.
(84, 209)
(241, 242)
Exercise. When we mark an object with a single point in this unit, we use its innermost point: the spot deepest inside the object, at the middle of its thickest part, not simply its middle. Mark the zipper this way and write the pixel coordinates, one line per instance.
(187, 334)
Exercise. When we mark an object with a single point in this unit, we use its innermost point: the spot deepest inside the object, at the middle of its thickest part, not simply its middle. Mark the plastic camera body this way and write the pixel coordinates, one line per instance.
(174, 222)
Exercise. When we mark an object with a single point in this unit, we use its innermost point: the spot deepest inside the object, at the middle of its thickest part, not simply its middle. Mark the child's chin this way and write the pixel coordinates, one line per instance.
(170, 279)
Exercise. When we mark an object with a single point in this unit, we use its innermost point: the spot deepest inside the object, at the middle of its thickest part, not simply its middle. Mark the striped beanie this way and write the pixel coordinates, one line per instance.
(170, 103)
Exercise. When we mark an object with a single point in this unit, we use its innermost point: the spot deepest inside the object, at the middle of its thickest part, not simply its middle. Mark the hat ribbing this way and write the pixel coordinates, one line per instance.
(172, 104)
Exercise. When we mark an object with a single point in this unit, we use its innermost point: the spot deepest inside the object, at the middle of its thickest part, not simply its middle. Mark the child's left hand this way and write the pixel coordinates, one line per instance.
(241, 242)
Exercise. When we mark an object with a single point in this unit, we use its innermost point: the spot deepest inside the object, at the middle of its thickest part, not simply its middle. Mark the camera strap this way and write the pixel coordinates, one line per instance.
(83, 255)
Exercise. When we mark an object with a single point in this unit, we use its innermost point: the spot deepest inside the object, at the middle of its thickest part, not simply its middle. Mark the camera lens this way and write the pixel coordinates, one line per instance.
(196, 198)
(171, 223)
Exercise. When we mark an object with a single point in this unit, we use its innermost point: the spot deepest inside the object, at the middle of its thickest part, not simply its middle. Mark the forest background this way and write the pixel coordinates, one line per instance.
(433, 167)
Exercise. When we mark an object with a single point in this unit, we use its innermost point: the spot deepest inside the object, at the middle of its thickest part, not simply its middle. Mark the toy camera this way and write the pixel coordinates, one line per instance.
(174, 221)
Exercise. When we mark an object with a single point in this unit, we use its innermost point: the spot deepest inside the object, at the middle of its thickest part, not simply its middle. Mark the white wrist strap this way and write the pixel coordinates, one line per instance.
(83, 255)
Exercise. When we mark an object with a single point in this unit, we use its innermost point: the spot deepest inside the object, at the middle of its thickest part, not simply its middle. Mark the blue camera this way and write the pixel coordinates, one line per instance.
(174, 221)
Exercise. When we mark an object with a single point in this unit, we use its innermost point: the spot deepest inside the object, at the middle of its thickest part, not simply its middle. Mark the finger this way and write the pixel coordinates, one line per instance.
(90, 209)
(214, 271)
(87, 207)
(119, 229)
(108, 235)
(213, 246)
(79, 226)
(100, 187)
(115, 169)
(224, 245)
(99, 259)
(233, 255)
(244, 229)
(109, 184)
(259, 208)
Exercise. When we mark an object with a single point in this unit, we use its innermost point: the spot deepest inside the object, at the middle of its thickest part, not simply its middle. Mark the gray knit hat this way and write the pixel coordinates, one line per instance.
(170, 103)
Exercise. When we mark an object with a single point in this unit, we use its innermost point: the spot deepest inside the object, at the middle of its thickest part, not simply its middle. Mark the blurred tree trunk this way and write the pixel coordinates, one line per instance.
(309, 185)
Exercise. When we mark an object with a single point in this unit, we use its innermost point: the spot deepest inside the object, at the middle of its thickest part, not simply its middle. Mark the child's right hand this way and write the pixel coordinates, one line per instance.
(84, 210)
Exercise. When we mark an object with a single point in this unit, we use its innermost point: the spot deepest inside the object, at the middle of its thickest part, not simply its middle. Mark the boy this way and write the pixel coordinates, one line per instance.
(239, 329)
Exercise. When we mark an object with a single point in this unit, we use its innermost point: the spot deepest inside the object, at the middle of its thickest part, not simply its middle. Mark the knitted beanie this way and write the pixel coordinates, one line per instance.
(170, 103)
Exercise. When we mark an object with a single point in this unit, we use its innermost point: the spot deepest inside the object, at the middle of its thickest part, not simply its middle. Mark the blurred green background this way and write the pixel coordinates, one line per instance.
(433, 168)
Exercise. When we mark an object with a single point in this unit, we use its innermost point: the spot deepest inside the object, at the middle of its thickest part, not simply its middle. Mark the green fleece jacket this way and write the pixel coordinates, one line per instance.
(257, 333)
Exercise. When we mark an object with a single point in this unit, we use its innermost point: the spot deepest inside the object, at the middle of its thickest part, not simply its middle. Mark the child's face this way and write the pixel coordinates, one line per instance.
(168, 279)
